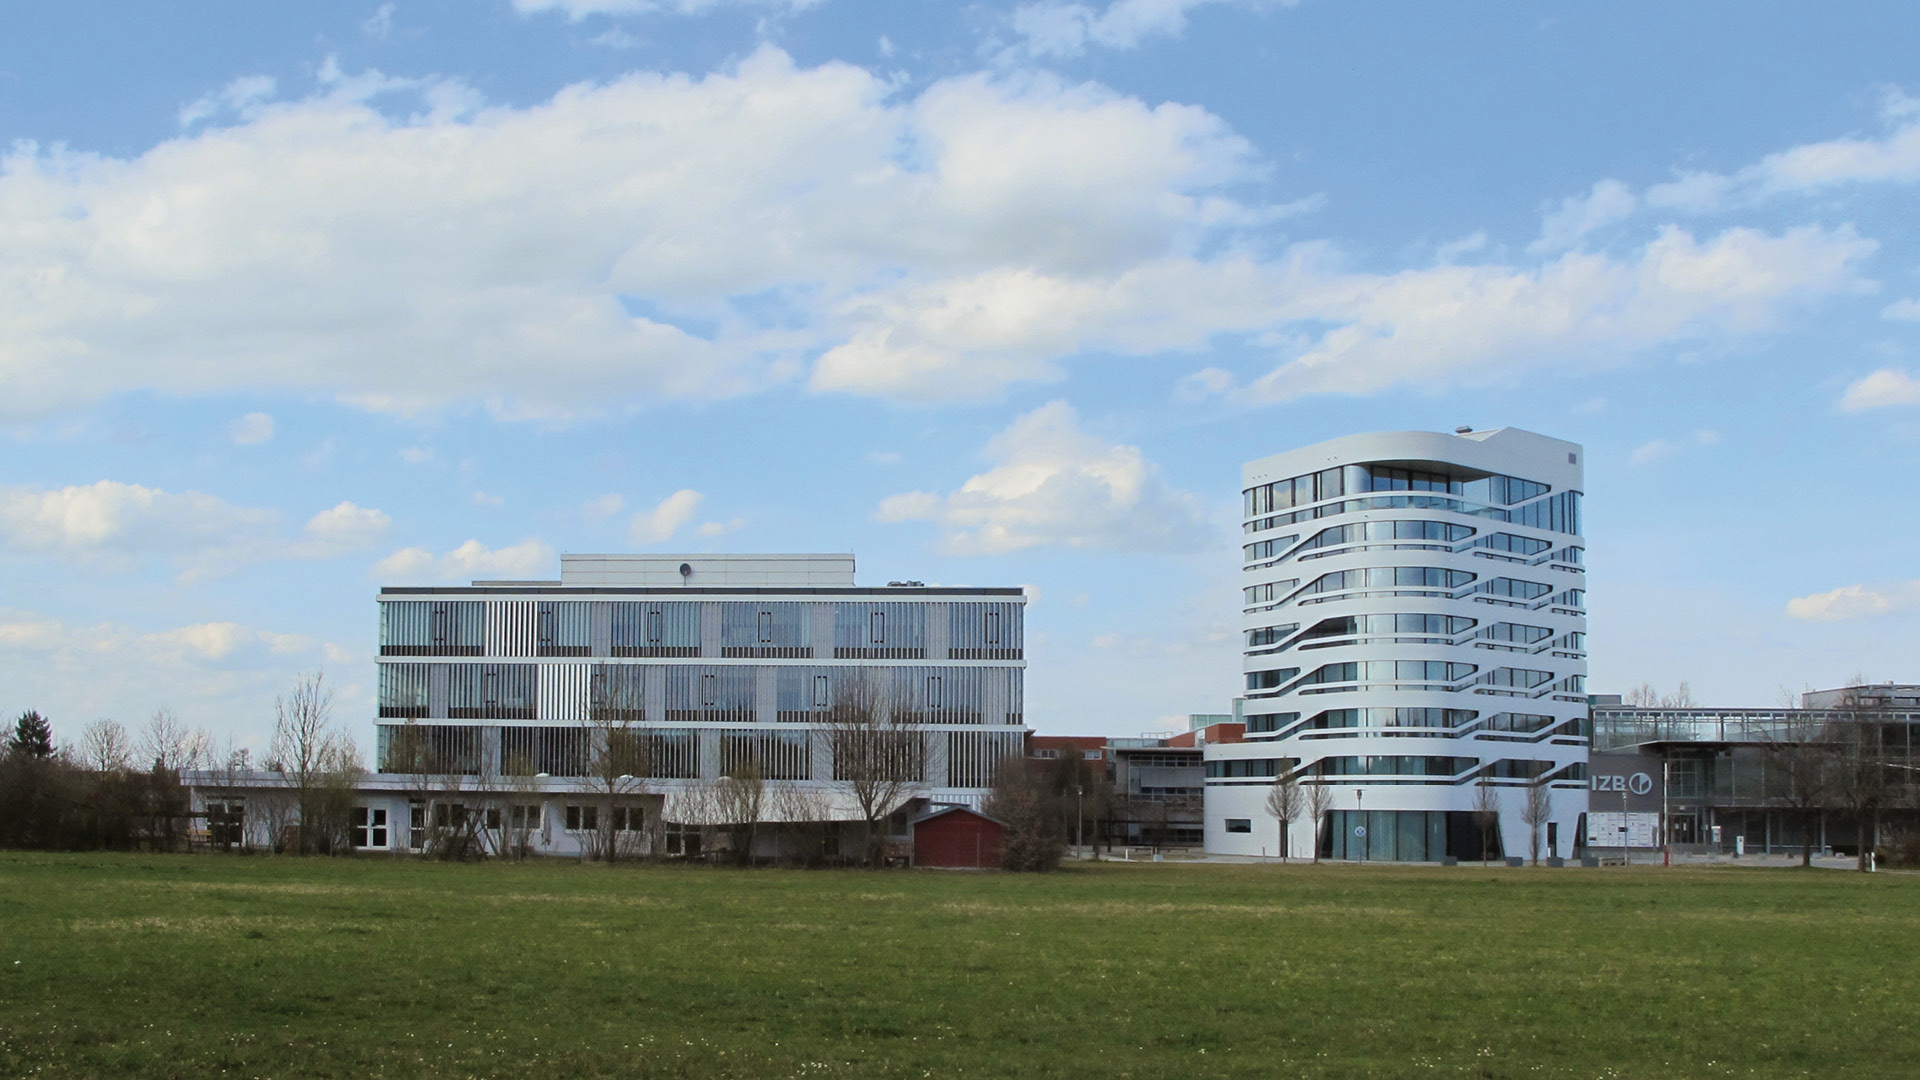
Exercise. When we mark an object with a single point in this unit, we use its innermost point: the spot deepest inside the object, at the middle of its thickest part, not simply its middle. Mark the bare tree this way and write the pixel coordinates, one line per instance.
(1284, 803)
(619, 763)
(1319, 802)
(803, 811)
(520, 817)
(1645, 696)
(880, 762)
(1486, 814)
(1859, 777)
(1800, 772)
(105, 747)
(320, 764)
(166, 743)
(166, 748)
(1538, 808)
(1022, 800)
(738, 803)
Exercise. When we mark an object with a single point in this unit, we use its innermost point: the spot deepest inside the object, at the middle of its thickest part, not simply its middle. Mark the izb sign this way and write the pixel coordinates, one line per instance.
(1630, 783)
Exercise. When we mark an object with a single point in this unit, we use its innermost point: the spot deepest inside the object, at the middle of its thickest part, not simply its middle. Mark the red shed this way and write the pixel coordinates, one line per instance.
(959, 837)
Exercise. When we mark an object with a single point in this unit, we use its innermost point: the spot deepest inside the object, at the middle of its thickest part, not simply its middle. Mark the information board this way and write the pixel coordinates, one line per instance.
(1603, 829)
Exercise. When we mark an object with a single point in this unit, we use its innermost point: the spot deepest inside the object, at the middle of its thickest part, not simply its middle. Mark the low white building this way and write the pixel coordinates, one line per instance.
(613, 704)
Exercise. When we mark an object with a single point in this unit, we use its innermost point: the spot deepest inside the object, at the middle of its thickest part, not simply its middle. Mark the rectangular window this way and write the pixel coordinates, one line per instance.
(493, 817)
(933, 692)
(877, 627)
(1239, 825)
(525, 816)
(656, 625)
(766, 627)
(992, 629)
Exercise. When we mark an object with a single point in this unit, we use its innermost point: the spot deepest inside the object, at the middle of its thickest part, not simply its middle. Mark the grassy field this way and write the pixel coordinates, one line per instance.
(116, 965)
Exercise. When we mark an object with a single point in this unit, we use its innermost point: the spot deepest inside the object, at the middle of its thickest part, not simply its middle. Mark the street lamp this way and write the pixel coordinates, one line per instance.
(1359, 812)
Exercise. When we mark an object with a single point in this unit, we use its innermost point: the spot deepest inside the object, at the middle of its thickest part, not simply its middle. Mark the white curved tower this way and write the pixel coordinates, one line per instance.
(1415, 624)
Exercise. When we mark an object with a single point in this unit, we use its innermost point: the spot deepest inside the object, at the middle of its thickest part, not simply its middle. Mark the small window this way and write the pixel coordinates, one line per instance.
(1092, 755)
(819, 691)
(708, 690)
(933, 692)
(654, 622)
(417, 816)
(992, 629)
(1239, 825)
(525, 817)
(493, 817)
(877, 627)
(766, 627)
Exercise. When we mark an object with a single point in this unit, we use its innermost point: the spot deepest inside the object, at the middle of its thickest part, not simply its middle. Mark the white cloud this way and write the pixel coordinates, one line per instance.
(1052, 483)
(926, 246)
(345, 527)
(1454, 323)
(1894, 157)
(417, 455)
(603, 507)
(471, 560)
(482, 498)
(1888, 386)
(720, 528)
(218, 640)
(1052, 28)
(220, 674)
(1856, 602)
(308, 245)
(1610, 201)
(615, 37)
(658, 525)
(1660, 449)
(379, 24)
(252, 429)
(1203, 384)
(242, 96)
(576, 10)
(109, 518)
(1902, 310)
(119, 524)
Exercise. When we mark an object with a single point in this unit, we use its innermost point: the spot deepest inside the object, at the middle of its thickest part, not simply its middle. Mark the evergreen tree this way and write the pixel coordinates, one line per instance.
(32, 736)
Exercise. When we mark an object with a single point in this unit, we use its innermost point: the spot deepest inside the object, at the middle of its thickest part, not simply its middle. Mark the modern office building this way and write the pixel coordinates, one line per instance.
(1415, 622)
(504, 699)
(1719, 780)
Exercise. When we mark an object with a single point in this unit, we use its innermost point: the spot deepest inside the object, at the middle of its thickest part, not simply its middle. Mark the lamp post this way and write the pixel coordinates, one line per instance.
(1359, 812)
(1080, 815)
(1666, 825)
(1623, 825)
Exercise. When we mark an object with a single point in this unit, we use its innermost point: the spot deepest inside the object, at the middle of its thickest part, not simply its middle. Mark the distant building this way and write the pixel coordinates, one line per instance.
(1721, 779)
(1415, 632)
(496, 700)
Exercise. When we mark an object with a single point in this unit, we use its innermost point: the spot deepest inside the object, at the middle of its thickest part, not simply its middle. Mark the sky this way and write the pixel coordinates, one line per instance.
(300, 300)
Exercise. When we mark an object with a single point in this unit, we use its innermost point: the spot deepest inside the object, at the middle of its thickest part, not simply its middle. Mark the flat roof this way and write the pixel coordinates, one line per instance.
(695, 590)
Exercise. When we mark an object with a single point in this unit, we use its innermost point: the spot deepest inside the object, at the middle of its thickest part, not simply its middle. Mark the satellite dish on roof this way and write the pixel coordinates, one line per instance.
(686, 571)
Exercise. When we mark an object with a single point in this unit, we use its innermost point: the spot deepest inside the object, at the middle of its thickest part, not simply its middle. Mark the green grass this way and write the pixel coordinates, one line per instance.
(211, 966)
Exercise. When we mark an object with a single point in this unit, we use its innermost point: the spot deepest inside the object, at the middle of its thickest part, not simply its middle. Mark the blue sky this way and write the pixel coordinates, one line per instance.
(300, 299)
